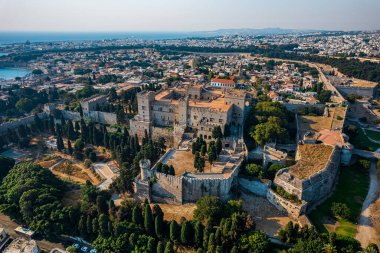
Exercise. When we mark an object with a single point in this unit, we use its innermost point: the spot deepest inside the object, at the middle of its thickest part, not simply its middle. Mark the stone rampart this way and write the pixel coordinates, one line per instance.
(167, 188)
(254, 186)
(29, 120)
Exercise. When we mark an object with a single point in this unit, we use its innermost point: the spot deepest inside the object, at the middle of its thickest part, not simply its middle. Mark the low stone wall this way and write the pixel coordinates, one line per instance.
(283, 204)
(254, 186)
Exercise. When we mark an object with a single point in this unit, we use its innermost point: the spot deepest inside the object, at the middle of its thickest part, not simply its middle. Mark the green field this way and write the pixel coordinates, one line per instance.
(361, 141)
(351, 189)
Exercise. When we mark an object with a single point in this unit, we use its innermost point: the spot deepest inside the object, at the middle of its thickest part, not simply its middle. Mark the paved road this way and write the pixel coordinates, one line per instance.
(365, 230)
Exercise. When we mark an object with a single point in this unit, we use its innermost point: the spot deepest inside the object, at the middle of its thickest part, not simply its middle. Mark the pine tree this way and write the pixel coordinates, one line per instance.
(148, 220)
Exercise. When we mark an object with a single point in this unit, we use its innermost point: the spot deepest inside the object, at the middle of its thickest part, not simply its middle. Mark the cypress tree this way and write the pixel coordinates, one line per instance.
(103, 225)
(151, 245)
(158, 226)
(136, 216)
(82, 225)
(198, 234)
(211, 243)
(89, 225)
(148, 220)
(169, 248)
(160, 247)
(60, 145)
(69, 147)
(219, 146)
(95, 227)
(173, 231)
(110, 228)
(187, 233)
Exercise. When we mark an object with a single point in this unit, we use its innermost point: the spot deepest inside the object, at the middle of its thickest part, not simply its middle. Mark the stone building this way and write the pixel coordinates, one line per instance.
(310, 180)
(193, 109)
(190, 186)
(91, 104)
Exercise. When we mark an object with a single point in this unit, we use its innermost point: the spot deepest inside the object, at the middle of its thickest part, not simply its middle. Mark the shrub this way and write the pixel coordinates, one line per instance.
(87, 163)
(254, 170)
(364, 164)
(340, 210)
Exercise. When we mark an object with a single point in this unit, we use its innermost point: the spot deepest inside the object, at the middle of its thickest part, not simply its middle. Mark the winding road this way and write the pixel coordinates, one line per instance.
(366, 232)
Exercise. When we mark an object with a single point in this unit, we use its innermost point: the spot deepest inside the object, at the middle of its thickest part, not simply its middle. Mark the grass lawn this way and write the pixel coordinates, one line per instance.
(362, 142)
(351, 190)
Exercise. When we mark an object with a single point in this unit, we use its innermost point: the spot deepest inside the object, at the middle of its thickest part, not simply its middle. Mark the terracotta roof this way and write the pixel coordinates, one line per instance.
(221, 80)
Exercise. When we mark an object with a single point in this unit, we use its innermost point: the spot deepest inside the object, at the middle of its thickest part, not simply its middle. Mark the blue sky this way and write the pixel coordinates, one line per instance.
(189, 15)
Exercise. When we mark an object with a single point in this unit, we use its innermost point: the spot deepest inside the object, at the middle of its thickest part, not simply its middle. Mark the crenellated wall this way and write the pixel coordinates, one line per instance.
(167, 188)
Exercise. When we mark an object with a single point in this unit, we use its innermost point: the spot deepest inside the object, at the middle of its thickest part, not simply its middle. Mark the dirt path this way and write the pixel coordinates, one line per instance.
(366, 232)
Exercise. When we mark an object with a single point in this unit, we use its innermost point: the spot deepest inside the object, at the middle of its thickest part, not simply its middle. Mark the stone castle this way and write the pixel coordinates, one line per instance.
(195, 109)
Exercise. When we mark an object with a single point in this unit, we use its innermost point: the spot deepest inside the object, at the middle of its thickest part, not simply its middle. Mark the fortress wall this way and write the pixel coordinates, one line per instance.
(320, 185)
(71, 115)
(254, 186)
(167, 188)
(138, 127)
(361, 91)
(295, 107)
(166, 133)
(195, 188)
(22, 121)
(94, 116)
(285, 205)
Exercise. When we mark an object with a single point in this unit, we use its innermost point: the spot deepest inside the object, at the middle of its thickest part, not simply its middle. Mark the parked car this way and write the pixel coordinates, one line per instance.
(84, 249)
(76, 245)
(93, 251)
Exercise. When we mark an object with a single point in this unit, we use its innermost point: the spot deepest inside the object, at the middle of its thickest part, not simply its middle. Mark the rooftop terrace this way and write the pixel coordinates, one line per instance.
(312, 159)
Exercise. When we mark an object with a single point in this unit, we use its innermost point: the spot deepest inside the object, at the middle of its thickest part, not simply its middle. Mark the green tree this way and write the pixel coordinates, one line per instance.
(208, 208)
(160, 247)
(174, 231)
(187, 233)
(159, 226)
(148, 220)
(169, 248)
(137, 217)
(256, 242)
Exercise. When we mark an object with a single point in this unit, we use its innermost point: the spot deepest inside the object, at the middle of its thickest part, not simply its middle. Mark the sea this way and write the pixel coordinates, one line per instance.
(22, 37)
(11, 73)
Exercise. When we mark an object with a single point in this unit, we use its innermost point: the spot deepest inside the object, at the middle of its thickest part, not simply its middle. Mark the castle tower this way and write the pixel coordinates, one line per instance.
(146, 172)
(183, 105)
